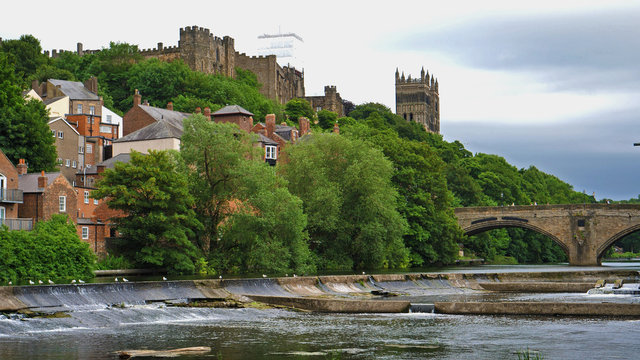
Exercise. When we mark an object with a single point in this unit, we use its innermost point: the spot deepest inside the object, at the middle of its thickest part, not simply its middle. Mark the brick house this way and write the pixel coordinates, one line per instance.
(46, 194)
(69, 145)
(10, 195)
(142, 115)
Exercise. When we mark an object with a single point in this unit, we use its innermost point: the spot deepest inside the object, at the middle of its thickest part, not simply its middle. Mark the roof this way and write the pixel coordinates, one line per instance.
(163, 114)
(168, 125)
(56, 118)
(28, 183)
(265, 140)
(284, 131)
(52, 100)
(109, 163)
(232, 110)
(75, 90)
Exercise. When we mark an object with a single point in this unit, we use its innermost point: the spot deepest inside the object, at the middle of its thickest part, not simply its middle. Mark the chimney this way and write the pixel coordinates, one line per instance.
(270, 122)
(100, 169)
(137, 98)
(336, 128)
(207, 113)
(146, 103)
(170, 106)
(35, 85)
(198, 110)
(80, 52)
(22, 167)
(92, 84)
(42, 180)
(303, 123)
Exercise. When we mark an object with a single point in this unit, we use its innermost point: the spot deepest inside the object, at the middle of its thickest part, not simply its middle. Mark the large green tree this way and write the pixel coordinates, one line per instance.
(351, 205)
(24, 132)
(26, 55)
(159, 225)
(251, 221)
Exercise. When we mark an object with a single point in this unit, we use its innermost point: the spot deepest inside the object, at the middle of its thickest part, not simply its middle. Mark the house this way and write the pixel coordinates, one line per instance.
(163, 133)
(11, 196)
(69, 145)
(45, 194)
(83, 97)
(110, 118)
(142, 115)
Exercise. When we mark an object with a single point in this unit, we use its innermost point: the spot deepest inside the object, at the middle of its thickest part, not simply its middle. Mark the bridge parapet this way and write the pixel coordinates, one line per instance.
(584, 231)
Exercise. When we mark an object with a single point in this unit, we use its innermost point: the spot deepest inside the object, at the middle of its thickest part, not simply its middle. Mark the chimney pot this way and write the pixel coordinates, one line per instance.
(42, 180)
(270, 122)
(136, 98)
(198, 110)
(22, 167)
(207, 113)
(170, 106)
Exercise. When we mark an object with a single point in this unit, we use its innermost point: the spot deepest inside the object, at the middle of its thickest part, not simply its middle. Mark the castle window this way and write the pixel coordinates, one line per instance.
(410, 116)
(404, 116)
(217, 55)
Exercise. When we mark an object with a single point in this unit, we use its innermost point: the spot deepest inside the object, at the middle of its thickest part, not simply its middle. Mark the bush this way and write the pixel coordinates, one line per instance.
(52, 250)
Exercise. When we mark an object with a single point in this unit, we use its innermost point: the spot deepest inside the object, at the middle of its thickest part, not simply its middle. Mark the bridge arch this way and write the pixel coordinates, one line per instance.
(605, 245)
(490, 224)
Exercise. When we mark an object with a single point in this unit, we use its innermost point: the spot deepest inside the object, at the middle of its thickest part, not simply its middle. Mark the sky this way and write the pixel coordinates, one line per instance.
(550, 84)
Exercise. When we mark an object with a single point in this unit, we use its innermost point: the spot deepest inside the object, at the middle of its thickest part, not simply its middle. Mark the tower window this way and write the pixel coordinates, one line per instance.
(410, 116)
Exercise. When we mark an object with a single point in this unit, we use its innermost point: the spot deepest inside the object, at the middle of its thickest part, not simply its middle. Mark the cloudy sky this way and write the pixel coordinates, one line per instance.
(553, 84)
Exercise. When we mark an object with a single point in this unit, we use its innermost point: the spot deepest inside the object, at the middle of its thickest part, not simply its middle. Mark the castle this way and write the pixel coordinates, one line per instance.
(204, 52)
(418, 100)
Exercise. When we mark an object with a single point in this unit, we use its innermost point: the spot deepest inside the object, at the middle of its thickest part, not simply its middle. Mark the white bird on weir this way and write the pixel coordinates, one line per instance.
(10, 282)
(164, 278)
(80, 281)
(51, 282)
(124, 279)
(220, 277)
(264, 276)
(116, 279)
(73, 281)
(40, 282)
(31, 282)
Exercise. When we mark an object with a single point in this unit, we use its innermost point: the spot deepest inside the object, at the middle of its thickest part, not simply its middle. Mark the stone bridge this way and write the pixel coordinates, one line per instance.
(584, 232)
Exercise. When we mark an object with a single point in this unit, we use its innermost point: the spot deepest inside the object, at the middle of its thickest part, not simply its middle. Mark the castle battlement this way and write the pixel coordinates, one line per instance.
(417, 100)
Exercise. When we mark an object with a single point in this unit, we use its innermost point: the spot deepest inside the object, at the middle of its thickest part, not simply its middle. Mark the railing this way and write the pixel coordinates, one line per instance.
(17, 224)
(11, 195)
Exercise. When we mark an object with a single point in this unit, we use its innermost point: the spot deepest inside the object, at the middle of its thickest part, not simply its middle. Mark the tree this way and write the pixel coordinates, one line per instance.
(251, 221)
(297, 108)
(24, 132)
(26, 55)
(52, 250)
(326, 119)
(159, 225)
(346, 189)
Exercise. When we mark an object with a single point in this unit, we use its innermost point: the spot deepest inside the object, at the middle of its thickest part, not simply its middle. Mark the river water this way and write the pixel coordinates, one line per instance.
(97, 332)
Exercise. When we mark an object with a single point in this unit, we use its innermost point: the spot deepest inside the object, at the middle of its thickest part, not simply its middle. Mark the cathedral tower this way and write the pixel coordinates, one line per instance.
(418, 100)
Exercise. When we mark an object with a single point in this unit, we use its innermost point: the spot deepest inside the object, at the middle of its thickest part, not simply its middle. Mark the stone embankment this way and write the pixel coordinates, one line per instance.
(349, 293)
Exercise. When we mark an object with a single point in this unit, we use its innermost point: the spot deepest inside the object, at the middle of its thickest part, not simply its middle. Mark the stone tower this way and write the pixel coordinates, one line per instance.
(418, 100)
(206, 53)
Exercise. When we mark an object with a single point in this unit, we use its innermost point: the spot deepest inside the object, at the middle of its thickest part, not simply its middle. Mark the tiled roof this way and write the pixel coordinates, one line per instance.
(265, 140)
(109, 163)
(163, 114)
(74, 90)
(28, 183)
(52, 100)
(166, 127)
(232, 110)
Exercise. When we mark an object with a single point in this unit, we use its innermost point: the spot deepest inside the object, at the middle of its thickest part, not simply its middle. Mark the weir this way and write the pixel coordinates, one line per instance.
(354, 293)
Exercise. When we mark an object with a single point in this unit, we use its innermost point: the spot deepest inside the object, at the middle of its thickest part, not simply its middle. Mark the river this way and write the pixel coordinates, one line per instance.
(97, 332)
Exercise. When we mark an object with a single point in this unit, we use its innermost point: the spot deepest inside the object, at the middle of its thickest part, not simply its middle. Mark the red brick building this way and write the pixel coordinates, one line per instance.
(10, 195)
(46, 194)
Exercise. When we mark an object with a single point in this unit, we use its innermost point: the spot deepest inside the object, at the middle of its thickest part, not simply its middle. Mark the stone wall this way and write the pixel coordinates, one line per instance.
(418, 100)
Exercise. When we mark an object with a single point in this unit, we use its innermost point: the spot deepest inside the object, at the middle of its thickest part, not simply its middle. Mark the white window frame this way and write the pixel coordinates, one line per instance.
(86, 196)
(67, 162)
(89, 149)
(109, 119)
(60, 134)
(92, 110)
(62, 203)
(270, 152)
(80, 149)
(85, 232)
(79, 109)
(53, 133)
(74, 164)
(3, 213)
(95, 201)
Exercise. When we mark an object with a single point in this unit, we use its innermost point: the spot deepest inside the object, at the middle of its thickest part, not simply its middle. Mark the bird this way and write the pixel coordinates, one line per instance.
(287, 275)
(73, 281)
(124, 279)
(294, 275)
(116, 279)
(51, 282)
(264, 276)
(10, 282)
(164, 278)
(31, 282)
(363, 273)
(81, 281)
(220, 277)
(40, 282)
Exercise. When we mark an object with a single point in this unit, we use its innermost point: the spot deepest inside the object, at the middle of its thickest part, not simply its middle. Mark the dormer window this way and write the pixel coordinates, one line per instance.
(270, 152)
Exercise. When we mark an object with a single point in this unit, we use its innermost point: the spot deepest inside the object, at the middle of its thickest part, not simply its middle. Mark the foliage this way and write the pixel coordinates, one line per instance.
(159, 223)
(24, 129)
(326, 119)
(52, 250)
(111, 262)
(26, 56)
(346, 189)
(297, 108)
(251, 221)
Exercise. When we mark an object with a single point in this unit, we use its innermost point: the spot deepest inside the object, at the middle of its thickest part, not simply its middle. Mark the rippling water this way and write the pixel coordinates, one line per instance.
(277, 334)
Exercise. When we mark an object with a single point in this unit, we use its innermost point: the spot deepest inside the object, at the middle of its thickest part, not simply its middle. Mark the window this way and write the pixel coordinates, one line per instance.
(92, 110)
(85, 232)
(67, 162)
(53, 133)
(62, 203)
(109, 119)
(270, 152)
(318, 108)
(95, 201)
(60, 161)
(79, 109)
(74, 164)
(2, 214)
(61, 134)
(86, 197)
(105, 129)
(89, 148)
(81, 149)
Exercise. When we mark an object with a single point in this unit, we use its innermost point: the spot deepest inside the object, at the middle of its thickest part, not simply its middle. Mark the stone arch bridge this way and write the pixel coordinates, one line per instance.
(583, 231)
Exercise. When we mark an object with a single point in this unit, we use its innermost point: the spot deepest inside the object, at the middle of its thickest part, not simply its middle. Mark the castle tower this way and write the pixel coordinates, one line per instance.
(206, 53)
(418, 100)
